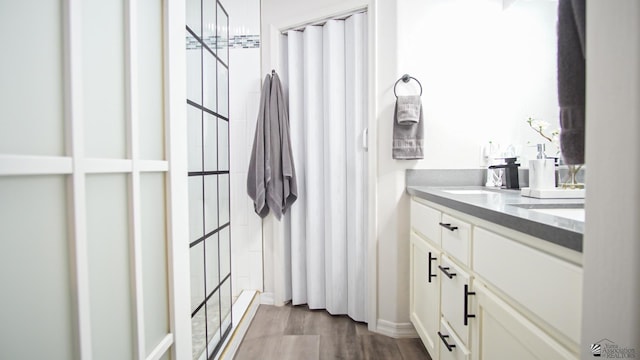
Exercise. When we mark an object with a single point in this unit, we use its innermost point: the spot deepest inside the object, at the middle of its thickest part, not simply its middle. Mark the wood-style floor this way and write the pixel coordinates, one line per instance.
(297, 333)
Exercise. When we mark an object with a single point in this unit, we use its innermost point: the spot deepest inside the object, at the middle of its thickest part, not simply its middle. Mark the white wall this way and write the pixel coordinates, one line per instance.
(244, 92)
(611, 305)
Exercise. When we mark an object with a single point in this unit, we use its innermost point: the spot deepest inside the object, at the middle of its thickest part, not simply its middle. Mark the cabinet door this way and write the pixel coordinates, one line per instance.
(457, 307)
(506, 334)
(425, 292)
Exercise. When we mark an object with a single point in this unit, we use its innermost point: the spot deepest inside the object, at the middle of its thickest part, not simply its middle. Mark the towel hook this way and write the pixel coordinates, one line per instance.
(406, 78)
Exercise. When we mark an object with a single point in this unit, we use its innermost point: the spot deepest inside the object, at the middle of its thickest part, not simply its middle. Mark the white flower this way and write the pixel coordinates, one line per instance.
(539, 124)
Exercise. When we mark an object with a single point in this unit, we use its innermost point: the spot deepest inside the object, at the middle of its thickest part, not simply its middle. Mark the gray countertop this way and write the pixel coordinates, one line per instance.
(507, 208)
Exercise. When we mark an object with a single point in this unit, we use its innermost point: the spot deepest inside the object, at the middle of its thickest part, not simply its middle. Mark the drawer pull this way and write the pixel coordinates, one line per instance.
(444, 340)
(466, 304)
(431, 258)
(448, 226)
(444, 270)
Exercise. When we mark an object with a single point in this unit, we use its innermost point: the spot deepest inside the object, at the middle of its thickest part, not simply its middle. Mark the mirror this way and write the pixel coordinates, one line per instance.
(485, 69)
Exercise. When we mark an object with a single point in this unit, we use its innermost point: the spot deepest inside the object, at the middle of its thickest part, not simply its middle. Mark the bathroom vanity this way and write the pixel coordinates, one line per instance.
(495, 275)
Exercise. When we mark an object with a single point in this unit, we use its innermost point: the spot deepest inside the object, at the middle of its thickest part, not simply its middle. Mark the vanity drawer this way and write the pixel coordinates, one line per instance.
(424, 221)
(528, 276)
(455, 238)
(456, 303)
(451, 347)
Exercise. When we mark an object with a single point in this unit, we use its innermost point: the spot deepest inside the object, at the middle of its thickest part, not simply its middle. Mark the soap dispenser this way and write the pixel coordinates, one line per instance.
(542, 171)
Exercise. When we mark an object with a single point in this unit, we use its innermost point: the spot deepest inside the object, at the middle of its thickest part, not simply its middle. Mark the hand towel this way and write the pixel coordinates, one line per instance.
(408, 140)
(282, 190)
(408, 109)
(259, 172)
(571, 79)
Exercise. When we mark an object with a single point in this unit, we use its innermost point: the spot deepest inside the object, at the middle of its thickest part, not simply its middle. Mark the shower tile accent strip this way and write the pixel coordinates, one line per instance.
(244, 41)
(235, 42)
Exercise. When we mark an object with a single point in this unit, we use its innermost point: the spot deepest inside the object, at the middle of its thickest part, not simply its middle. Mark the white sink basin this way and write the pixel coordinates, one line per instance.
(574, 214)
(468, 192)
(574, 211)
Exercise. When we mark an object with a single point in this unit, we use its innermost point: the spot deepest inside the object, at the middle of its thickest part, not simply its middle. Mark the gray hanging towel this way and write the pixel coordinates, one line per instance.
(282, 189)
(571, 79)
(408, 137)
(408, 109)
(259, 172)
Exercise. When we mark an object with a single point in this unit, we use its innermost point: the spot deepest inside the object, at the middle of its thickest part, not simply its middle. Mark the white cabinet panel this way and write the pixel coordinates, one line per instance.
(425, 221)
(455, 238)
(504, 334)
(523, 273)
(425, 292)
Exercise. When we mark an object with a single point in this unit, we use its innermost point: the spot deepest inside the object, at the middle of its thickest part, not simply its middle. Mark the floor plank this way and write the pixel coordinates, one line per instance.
(295, 332)
(320, 322)
(334, 347)
(363, 329)
(379, 347)
(295, 321)
(296, 347)
(412, 349)
(266, 347)
(268, 321)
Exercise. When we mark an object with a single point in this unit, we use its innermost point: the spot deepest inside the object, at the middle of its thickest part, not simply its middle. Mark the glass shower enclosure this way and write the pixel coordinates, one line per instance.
(207, 47)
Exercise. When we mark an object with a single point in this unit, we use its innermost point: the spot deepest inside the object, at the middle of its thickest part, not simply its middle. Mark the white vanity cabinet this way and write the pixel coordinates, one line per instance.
(492, 296)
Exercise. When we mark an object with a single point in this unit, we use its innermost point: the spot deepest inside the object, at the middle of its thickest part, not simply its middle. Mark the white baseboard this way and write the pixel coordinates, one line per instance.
(244, 309)
(266, 298)
(396, 330)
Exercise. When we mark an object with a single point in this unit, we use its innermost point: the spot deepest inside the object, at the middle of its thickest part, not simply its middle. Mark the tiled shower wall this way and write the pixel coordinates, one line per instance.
(244, 87)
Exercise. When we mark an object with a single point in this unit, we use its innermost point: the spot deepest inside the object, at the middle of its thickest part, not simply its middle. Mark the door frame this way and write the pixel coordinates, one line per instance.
(272, 60)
